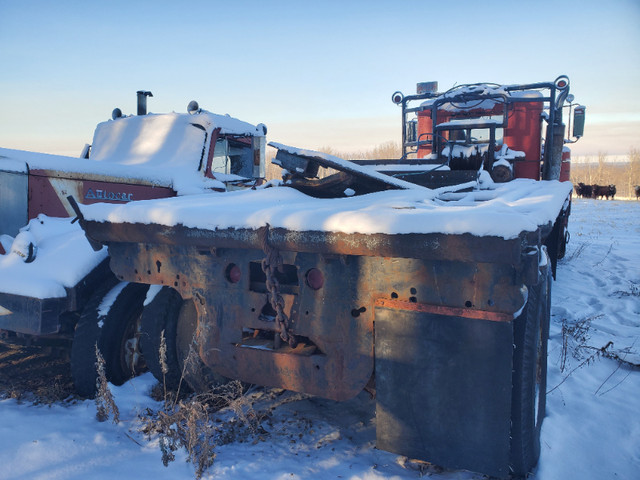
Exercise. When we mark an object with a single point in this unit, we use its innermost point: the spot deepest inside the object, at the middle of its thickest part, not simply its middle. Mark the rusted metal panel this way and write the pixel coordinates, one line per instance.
(444, 310)
(336, 336)
(334, 324)
(464, 285)
(465, 247)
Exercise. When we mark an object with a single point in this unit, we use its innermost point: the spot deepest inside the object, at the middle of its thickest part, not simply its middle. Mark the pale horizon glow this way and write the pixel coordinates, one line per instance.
(318, 75)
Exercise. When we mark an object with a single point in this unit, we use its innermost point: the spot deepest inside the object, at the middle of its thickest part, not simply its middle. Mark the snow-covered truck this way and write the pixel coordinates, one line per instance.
(426, 280)
(54, 288)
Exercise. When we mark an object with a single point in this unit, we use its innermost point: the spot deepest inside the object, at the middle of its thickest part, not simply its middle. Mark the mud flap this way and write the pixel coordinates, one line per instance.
(443, 389)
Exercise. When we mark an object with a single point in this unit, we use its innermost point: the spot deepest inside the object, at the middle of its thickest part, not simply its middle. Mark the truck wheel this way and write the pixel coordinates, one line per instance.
(198, 376)
(531, 332)
(161, 314)
(114, 329)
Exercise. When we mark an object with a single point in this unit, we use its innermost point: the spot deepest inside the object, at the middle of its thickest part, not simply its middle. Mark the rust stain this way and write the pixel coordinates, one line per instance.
(444, 310)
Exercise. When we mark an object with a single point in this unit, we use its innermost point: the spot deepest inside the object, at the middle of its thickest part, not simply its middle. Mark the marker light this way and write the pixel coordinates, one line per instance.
(315, 279)
(562, 82)
(397, 97)
(233, 273)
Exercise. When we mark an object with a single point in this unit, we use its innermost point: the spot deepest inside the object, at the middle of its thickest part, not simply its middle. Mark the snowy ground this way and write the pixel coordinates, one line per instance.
(592, 429)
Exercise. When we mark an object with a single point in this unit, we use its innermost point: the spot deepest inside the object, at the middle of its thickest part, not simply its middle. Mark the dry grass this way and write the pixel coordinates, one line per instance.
(187, 421)
(190, 424)
(105, 403)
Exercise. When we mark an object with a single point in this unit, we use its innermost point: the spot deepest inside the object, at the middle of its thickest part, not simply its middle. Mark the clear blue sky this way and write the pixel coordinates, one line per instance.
(317, 73)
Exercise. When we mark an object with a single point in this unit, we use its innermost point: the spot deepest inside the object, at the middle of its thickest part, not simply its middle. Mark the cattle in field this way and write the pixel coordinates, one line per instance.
(583, 190)
(588, 191)
(578, 189)
(599, 191)
(637, 190)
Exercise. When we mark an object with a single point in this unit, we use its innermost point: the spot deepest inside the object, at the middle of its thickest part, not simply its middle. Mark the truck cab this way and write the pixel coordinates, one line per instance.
(133, 158)
(512, 131)
(49, 275)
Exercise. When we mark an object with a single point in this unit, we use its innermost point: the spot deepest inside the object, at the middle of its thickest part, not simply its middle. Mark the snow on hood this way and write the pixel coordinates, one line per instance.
(167, 150)
(58, 241)
(164, 140)
(511, 208)
(181, 179)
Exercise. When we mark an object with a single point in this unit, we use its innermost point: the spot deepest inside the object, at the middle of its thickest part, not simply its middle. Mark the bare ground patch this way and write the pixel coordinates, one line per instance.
(35, 373)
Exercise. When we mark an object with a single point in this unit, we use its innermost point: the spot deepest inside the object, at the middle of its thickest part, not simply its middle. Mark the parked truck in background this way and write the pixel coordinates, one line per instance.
(512, 131)
(425, 279)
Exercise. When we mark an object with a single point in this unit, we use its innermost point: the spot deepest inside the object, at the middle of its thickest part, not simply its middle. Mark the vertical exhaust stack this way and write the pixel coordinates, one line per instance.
(142, 101)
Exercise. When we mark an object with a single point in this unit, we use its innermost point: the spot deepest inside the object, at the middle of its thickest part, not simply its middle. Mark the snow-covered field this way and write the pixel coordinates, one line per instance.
(592, 429)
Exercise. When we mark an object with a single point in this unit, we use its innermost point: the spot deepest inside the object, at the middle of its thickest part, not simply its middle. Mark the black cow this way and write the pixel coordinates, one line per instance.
(583, 190)
(637, 190)
(578, 188)
(599, 191)
(588, 191)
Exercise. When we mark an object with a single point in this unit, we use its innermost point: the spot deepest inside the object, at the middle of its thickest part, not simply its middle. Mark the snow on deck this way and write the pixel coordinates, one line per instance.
(590, 431)
(505, 211)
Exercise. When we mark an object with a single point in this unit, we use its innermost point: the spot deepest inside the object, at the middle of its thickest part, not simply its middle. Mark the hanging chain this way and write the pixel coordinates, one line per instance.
(271, 263)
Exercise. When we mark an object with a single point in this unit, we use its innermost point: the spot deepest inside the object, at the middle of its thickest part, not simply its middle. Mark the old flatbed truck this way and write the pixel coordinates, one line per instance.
(54, 289)
(429, 283)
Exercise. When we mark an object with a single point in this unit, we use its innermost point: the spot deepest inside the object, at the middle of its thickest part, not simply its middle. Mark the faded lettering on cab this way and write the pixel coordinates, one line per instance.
(100, 194)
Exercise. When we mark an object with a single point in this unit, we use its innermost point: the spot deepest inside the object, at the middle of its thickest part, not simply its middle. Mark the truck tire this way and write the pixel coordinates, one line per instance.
(198, 376)
(114, 332)
(531, 332)
(161, 314)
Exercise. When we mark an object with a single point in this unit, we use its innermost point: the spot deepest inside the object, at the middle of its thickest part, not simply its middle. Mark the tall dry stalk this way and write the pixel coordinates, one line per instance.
(105, 403)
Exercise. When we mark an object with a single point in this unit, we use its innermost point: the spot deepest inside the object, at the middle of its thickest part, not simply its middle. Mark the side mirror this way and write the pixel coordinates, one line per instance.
(578, 121)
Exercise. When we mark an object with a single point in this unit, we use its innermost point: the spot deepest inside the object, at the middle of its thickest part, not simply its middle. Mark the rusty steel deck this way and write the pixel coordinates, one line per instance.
(427, 319)
(461, 275)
